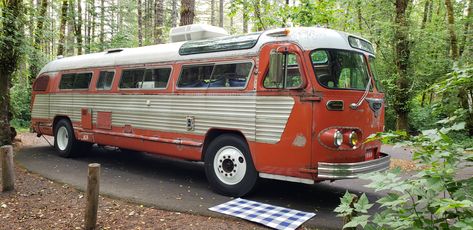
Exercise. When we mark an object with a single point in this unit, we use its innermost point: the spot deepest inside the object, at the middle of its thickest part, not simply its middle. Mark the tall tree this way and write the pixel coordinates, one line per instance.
(451, 30)
(220, 14)
(158, 21)
(35, 56)
(212, 13)
(78, 27)
(174, 14)
(187, 12)
(467, 33)
(102, 25)
(402, 53)
(11, 41)
(140, 23)
(62, 28)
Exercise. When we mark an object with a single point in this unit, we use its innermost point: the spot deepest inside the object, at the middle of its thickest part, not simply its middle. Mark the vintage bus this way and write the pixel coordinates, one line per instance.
(292, 104)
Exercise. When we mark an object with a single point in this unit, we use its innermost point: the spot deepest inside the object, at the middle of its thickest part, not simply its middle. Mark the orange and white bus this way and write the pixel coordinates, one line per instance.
(291, 104)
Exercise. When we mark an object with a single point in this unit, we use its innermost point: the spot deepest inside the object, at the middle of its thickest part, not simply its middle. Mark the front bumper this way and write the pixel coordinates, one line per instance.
(335, 171)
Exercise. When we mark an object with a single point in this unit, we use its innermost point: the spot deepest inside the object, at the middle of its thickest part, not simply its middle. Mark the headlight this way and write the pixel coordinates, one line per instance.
(353, 138)
(337, 138)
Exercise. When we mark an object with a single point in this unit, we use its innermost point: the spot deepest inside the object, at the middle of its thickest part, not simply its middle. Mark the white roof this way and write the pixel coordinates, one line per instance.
(308, 38)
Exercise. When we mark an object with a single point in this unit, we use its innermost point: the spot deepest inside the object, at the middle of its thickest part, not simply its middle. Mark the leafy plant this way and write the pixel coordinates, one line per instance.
(436, 197)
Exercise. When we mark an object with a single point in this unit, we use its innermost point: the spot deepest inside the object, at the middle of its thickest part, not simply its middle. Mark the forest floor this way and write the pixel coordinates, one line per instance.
(39, 203)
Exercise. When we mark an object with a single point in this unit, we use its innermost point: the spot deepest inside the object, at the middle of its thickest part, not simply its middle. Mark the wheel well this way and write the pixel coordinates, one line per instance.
(57, 119)
(214, 133)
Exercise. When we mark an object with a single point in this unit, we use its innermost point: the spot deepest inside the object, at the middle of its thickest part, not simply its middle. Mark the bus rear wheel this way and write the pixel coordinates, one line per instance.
(229, 167)
(65, 141)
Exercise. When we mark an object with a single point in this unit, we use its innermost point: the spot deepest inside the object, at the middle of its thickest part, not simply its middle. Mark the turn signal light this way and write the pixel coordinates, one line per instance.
(353, 139)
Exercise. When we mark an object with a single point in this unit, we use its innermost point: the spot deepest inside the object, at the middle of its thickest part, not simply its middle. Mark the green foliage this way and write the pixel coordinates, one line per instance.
(20, 99)
(436, 197)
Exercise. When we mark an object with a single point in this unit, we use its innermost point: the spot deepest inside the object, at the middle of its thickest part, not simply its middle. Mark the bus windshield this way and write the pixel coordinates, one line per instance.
(340, 69)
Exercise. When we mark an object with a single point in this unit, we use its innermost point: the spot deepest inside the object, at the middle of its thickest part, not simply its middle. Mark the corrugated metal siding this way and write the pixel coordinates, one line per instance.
(41, 106)
(261, 119)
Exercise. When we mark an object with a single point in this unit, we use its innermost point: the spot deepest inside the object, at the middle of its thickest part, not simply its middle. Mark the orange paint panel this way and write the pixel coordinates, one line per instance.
(104, 120)
(86, 118)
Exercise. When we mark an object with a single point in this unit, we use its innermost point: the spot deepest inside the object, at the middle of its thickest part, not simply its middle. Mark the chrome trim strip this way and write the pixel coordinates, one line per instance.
(336, 171)
(286, 178)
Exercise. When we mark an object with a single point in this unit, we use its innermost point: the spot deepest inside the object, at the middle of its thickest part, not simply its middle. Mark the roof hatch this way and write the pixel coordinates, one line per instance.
(196, 32)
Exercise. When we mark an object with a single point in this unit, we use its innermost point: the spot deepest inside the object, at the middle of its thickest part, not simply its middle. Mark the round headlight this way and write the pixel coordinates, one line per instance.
(353, 138)
(337, 138)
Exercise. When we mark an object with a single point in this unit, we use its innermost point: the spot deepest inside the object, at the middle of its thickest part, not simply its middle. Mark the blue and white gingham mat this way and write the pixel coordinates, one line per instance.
(269, 215)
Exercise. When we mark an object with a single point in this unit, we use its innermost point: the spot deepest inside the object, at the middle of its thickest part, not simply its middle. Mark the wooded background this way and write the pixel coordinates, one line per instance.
(424, 47)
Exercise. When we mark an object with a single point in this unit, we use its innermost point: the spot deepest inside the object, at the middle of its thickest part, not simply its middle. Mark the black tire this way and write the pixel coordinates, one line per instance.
(225, 179)
(70, 146)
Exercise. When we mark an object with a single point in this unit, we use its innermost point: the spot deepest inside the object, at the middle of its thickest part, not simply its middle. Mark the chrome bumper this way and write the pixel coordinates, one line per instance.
(334, 171)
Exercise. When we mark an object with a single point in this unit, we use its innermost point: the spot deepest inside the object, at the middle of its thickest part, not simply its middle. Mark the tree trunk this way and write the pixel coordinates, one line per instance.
(451, 30)
(94, 23)
(174, 14)
(78, 28)
(102, 25)
(220, 14)
(62, 28)
(259, 25)
(212, 13)
(38, 33)
(70, 37)
(245, 21)
(467, 33)
(187, 12)
(158, 21)
(140, 24)
(10, 45)
(359, 15)
(402, 54)
(426, 14)
(35, 60)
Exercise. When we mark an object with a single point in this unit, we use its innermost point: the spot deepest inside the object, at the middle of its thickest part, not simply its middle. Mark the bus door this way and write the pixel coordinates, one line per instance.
(283, 116)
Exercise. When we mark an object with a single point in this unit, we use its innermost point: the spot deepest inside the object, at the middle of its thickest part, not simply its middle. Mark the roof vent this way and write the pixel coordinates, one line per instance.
(115, 50)
(196, 32)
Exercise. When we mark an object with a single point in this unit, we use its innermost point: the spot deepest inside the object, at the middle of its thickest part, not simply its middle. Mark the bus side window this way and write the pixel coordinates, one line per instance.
(156, 78)
(132, 78)
(195, 76)
(230, 75)
(67, 81)
(105, 80)
(75, 81)
(293, 78)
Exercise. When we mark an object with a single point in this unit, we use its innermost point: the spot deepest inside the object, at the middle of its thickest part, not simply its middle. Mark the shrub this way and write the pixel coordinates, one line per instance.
(433, 198)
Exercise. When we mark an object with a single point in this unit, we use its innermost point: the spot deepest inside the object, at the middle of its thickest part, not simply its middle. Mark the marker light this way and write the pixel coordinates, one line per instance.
(353, 139)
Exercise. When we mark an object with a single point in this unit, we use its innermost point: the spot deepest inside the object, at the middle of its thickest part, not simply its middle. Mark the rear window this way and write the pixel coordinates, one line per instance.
(145, 78)
(229, 75)
(41, 83)
(75, 81)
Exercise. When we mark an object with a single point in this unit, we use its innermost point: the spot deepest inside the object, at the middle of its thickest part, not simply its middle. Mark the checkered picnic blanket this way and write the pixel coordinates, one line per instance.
(269, 215)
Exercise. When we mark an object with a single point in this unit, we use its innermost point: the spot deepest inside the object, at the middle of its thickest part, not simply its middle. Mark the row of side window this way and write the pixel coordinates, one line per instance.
(231, 75)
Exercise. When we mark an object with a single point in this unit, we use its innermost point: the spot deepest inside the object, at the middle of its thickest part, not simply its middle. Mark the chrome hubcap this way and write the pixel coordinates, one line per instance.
(229, 165)
(62, 138)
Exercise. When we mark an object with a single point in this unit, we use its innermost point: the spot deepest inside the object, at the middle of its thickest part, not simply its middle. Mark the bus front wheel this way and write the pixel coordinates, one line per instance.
(65, 141)
(229, 167)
